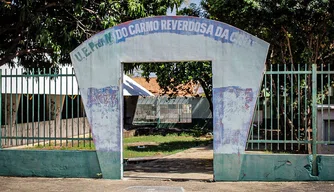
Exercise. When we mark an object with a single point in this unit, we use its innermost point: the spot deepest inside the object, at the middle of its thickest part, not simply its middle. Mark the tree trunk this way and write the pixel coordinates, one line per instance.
(208, 94)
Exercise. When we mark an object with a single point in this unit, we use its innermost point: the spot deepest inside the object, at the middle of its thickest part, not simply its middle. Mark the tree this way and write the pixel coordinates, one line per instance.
(42, 33)
(299, 32)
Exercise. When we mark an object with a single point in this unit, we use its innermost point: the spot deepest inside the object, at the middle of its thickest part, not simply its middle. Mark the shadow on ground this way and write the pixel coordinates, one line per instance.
(173, 165)
(170, 146)
(192, 164)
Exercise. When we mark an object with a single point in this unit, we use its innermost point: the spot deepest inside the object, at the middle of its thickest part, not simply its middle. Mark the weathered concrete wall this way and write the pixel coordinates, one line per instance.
(29, 163)
(254, 167)
(326, 167)
(67, 129)
(55, 104)
(325, 113)
(271, 167)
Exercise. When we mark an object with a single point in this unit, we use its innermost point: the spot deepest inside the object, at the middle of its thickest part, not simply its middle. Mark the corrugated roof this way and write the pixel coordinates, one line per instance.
(63, 85)
(153, 86)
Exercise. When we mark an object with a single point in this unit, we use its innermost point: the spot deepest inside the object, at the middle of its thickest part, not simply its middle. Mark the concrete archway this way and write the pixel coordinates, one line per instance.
(238, 63)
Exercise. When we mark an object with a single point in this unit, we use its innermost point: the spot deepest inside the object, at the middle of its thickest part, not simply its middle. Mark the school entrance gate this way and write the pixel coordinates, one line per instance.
(238, 64)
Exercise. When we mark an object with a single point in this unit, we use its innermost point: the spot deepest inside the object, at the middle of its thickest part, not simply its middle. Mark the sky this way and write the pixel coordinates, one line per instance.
(189, 1)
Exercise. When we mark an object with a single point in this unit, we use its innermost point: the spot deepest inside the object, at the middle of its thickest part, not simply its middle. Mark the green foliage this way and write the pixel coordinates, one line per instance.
(42, 33)
(155, 145)
(198, 131)
(299, 32)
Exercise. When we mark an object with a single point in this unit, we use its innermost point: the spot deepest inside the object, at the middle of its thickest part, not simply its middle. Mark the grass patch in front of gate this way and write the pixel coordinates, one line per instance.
(140, 146)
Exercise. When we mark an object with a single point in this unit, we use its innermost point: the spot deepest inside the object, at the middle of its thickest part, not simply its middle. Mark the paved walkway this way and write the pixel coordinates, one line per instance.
(10, 184)
(191, 164)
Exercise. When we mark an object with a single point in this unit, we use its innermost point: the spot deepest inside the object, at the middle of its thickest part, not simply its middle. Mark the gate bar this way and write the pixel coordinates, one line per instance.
(1, 109)
(314, 119)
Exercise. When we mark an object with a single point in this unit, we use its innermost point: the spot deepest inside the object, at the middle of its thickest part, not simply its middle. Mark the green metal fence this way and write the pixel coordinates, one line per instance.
(294, 112)
(42, 107)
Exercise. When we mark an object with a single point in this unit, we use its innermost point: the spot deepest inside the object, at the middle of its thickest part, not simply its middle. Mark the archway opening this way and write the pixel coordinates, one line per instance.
(167, 134)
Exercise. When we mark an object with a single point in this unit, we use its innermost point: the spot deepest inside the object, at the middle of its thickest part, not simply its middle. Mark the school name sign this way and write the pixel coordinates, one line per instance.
(178, 25)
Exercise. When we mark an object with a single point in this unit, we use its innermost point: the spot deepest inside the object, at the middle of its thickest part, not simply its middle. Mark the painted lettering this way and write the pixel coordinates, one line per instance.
(156, 25)
(179, 26)
(118, 34)
(185, 26)
(209, 30)
(131, 28)
(85, 51)
(142, 27)
(109, 38)
(169, 24)
(225, 34)
(191, 26)
(149, 26)
(137, 28)
(91, 45)
(174, 24)
(163, 25)
(197, 27)
(240, 39)
(233, 37)
(78, 56)
(203, 28)
(125, 32)
(100, 43)
(219, 31)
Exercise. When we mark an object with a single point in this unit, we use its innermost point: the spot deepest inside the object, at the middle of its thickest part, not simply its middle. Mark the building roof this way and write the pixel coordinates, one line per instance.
(44, 85)
(131, 87)
(153, 86)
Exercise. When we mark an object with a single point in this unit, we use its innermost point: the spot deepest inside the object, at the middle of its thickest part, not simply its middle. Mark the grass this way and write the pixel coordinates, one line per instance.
(141, 146)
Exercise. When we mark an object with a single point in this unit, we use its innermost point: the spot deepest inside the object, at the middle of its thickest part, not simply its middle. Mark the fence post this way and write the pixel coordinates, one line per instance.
(314, 119)
(1, 109)
(158, 111)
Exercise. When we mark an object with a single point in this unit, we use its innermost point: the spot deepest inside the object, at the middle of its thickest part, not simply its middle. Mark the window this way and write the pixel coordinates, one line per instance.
(175, 113)
(166, 113)
(145, 113)
(328, 130)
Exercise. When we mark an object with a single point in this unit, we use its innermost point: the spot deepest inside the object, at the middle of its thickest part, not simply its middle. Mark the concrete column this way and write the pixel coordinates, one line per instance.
(54, 106)
(11, 107)
(13, 102)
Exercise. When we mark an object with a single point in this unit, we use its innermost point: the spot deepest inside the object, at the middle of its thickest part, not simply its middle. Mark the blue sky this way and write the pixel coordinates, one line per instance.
(190, 1)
